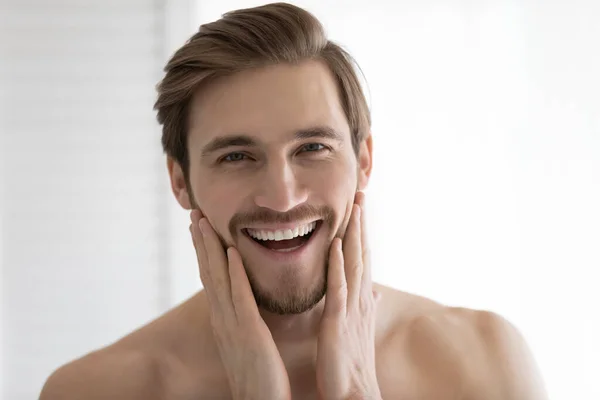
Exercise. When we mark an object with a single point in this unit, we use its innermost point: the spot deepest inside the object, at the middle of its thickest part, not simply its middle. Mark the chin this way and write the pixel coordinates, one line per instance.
(287, 291)
(288, 280)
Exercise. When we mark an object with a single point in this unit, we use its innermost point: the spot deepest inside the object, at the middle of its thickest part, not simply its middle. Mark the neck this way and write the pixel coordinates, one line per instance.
(294, 327)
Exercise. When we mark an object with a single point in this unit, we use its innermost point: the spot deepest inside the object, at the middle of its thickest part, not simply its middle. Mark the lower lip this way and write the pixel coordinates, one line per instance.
(287, 255)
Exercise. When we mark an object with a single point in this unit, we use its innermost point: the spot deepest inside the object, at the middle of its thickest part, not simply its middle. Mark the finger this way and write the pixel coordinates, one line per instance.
(200, 252)
(337, 291)
(241, 293)
(366, 282)
(203, 264)
(353, 257)
(198, 240)
(217, 266)
(196, 214)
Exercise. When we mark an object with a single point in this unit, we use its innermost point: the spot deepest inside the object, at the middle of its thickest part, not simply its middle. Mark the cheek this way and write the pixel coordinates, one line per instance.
(339, 181)
(218, 203)
(337, 188)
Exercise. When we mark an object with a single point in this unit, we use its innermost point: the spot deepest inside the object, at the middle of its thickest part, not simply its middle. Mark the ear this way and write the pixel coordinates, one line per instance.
(365, 161)
(178, 185)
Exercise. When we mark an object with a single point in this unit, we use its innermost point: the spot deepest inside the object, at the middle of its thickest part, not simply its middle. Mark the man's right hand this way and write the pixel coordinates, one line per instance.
(250, 357)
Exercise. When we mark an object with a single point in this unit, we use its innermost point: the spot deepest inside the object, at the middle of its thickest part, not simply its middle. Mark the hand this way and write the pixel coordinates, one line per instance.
(346, 344)
(249, 355)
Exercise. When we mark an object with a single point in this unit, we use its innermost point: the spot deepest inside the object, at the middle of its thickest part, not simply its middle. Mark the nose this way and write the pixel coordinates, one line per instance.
(279, 188)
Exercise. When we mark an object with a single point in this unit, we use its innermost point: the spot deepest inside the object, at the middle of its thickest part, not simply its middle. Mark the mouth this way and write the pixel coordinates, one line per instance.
(282, 246)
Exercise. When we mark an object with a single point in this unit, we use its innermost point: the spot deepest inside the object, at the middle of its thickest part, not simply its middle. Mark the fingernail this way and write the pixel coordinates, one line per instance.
(376, 296)
(202, 226)
(229, 252)
(337, 244)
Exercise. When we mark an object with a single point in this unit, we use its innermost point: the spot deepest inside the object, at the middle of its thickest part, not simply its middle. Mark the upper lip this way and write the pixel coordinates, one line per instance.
(279, 227)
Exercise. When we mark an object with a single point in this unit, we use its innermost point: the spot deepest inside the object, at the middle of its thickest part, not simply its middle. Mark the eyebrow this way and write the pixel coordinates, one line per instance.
(223, 142)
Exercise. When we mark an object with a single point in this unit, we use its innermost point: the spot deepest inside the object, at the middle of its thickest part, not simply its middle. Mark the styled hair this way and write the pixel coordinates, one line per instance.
(246, 39)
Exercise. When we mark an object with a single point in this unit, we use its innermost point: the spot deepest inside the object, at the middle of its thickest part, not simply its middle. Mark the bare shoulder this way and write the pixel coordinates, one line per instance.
(477, 354)
(145, 364)
(106, 374)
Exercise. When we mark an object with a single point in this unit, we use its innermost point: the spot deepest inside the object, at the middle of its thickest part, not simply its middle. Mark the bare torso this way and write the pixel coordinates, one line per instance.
(423, 351)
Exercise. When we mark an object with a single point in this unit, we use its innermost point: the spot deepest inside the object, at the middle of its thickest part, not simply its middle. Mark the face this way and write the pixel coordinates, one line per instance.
(273, 169)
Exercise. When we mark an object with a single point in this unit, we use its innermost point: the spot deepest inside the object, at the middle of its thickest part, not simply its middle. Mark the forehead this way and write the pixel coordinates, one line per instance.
(267, 103)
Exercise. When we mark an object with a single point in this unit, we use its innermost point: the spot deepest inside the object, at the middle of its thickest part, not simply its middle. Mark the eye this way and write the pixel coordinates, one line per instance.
(313, 147)
(234, 157)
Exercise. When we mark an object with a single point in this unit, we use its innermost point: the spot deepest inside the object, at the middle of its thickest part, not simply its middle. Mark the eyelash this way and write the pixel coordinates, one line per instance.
(224, 159)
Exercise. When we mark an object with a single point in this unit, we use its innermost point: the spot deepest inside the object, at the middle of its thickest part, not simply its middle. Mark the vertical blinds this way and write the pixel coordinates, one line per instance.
(83, 183)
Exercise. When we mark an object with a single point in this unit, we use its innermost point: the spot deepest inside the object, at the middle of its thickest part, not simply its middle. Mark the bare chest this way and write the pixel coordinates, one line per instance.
(396, 381)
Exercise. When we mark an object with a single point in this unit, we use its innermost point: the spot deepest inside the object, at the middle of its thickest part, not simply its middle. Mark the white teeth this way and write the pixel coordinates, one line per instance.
(285, 234)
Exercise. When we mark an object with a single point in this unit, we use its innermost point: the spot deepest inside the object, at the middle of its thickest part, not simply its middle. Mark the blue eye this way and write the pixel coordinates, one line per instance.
(234, 157)
(237, 157)
(314, 147)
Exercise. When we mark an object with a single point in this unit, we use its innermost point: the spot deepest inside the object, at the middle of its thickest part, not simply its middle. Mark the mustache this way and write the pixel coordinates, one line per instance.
(267, 216)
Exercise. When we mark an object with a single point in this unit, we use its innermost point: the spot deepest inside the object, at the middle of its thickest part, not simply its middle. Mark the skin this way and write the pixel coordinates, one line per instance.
(361, 340)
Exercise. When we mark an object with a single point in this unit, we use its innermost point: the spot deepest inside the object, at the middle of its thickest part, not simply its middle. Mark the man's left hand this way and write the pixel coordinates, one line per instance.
(346, 344)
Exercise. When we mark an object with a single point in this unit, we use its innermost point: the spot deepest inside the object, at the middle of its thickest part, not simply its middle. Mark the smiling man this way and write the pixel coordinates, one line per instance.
(268, 142)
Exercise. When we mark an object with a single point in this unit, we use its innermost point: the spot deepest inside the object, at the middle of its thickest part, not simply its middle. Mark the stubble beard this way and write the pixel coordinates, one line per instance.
(289, 297)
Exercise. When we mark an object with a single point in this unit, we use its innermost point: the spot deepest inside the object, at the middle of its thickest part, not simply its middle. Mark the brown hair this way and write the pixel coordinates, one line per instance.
(251, 38)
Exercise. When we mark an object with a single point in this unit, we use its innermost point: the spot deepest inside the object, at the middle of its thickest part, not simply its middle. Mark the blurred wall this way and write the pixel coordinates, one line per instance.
(83, 249)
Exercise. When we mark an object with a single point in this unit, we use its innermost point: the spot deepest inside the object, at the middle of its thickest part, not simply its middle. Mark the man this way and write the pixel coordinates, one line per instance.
(267, 134)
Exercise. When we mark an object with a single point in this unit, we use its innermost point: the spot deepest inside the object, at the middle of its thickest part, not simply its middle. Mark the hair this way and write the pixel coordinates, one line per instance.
(246, 39)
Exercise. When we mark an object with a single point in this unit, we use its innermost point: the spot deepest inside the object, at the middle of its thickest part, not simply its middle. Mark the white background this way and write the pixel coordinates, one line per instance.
(485, 189)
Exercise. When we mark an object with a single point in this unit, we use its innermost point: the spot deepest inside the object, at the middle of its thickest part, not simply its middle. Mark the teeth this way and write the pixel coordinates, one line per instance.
(284, 234)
